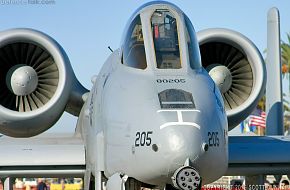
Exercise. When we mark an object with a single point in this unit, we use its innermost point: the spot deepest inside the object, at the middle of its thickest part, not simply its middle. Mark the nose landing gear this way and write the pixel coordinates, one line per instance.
(186, 178)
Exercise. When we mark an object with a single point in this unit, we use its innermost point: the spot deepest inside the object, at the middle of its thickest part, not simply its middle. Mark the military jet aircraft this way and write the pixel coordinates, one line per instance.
(157, 115)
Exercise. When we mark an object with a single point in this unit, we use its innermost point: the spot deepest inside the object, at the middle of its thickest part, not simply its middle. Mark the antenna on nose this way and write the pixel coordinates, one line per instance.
(110, 49)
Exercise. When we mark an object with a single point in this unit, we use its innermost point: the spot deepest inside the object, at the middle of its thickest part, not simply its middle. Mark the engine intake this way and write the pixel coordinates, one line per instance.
(36, 82)
(29, 77)
(238, 69)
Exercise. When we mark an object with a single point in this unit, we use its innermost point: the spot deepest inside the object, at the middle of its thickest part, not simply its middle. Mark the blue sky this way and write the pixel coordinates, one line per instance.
(86, 28)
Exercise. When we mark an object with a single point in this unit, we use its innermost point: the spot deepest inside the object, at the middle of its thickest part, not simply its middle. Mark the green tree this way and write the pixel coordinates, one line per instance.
(285, 59)
(285, 51)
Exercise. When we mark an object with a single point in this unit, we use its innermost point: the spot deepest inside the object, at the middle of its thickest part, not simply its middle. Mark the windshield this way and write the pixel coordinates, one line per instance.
(165, 37)
(133, 49)
(175, 98)
(192, 44)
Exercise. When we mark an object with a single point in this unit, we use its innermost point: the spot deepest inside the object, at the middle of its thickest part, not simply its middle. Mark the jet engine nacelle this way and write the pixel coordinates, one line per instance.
(37, 83)
(238, 69)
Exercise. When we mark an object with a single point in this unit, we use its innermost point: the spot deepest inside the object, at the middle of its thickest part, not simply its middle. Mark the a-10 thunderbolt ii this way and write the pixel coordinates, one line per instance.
(158, 113)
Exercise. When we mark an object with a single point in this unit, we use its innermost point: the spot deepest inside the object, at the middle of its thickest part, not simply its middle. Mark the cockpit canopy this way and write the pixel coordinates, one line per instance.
(133, 47)
(168, 35)
(165, 38)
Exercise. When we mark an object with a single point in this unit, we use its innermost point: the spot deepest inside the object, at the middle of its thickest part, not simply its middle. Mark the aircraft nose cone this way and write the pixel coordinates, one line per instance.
(183, 142)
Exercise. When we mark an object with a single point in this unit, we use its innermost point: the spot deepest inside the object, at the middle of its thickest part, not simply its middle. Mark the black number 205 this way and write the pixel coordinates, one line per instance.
(143, 138)
(213, 139)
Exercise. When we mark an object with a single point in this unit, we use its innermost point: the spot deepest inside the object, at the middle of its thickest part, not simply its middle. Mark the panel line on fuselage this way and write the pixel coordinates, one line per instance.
(180, 121)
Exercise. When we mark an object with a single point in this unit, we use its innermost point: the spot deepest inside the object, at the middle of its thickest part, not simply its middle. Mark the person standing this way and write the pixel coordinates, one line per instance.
(284, 184)
(41, 185)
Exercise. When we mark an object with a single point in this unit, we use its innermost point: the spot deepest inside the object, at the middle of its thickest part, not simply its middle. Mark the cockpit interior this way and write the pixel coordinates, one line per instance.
(172, 35)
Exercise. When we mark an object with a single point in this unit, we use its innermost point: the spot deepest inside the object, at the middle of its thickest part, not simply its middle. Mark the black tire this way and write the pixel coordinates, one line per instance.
(92, 185)
(169, 187)
(132, 184)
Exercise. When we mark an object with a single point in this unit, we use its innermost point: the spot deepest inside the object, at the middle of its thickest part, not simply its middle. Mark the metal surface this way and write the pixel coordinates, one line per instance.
(42, 151)
(50, 172)
(52, 155)
(244, 61)
(253, 155)
(221, 75)
(143, 122)
(186, 178)
(22, 81)
(274, 99)
(37, 83)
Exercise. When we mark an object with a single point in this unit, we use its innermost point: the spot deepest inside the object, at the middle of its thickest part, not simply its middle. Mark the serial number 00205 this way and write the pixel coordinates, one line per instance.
(170, 81)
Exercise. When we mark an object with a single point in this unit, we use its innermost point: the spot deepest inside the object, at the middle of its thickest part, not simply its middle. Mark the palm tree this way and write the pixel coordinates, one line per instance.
(285, 51)
(285, 59)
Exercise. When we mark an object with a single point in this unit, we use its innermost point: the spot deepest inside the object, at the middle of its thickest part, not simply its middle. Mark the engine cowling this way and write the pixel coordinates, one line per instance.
(238, 69)
(36, 82)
